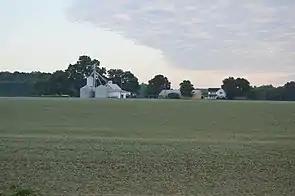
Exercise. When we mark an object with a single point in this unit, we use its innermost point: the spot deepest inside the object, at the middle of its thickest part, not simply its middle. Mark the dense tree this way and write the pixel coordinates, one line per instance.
(239, 87)
(125, 79)
(83, 68)
(267, 92)
(243, 86)
(19, 83)
(130, 82)
(57, 83)
(277, 94)
(289, 91)
(229, 86)
(157, 84)
(264, 92)
(70, 80)
(41, 87)
(78, 72)
(186, 88)
(116, 76)
(142, 93)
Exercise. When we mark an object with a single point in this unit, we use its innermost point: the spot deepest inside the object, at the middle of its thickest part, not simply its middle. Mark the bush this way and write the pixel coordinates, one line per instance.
(18, 191)
(173, 96)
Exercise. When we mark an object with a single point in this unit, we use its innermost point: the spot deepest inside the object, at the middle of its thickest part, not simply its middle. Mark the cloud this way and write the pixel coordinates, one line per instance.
(249, 36)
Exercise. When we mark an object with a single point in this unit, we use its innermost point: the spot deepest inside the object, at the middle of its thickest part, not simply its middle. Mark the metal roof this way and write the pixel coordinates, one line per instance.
(213, 89)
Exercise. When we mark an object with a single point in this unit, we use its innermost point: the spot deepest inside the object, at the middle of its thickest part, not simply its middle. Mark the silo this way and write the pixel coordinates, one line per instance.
(101, 92)
(90, 81)
(86, 92)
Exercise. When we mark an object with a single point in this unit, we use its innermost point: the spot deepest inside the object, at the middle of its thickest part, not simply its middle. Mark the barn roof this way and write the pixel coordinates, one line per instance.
(115, 87)
(213, 89)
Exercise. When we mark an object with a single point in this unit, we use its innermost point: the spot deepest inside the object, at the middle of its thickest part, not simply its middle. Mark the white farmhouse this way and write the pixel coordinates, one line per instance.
(216, 93)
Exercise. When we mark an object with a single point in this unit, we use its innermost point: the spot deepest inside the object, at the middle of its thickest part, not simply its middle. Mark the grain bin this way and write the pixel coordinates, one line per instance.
(102, 91)
(86, 92)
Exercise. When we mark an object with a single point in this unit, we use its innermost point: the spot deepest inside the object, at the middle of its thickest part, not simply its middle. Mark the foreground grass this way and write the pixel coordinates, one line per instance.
(71, 147)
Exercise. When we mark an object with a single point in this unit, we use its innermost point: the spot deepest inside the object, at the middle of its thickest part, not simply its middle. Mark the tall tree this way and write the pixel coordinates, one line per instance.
(80, 70)
(115, 75)
(289, 91)
(125, 79)
(243, 87)
(130, 82)
(157, 84)
(186, 88)
(230, 88)
(239, 87)
(142, 90)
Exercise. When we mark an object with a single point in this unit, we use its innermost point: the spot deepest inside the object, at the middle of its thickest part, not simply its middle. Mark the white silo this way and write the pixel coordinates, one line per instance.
(91, 90)
(87, 91)
(102, 91)
(90, 81)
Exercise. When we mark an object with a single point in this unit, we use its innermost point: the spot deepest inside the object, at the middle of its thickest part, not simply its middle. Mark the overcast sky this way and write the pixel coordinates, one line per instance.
(200, 40)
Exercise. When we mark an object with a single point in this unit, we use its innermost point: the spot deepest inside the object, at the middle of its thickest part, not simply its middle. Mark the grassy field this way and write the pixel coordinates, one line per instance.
(91, 147)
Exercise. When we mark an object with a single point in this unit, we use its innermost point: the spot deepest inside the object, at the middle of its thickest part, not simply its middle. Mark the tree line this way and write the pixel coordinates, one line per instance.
(70, 80)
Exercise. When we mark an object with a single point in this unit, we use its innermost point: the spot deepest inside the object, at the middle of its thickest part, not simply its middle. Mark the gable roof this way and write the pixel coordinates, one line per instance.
(213, 89)
(114, 87)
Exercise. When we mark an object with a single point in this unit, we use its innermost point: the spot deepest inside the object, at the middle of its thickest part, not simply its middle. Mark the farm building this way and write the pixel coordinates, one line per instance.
(104, 90)
(216, 93)
(111, 90)
(197, 94)
(164, 93)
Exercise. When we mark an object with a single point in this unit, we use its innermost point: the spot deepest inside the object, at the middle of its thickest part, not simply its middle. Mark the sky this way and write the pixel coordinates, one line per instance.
(199, 40)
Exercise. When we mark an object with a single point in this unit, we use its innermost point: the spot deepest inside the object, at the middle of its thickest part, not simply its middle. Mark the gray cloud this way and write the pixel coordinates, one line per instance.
(252, 35)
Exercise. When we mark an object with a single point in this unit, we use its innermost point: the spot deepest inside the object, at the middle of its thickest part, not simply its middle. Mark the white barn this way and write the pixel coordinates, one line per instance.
(111, 90)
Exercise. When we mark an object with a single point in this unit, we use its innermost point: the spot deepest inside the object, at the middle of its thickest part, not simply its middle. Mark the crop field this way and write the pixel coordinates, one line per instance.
(143, 147)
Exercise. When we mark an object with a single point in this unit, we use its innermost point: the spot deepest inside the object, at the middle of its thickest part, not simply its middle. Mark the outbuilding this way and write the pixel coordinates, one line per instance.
(216, 93)
(111, 90)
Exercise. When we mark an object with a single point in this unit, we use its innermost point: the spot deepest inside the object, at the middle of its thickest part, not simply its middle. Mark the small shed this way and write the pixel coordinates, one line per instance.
(197, 94)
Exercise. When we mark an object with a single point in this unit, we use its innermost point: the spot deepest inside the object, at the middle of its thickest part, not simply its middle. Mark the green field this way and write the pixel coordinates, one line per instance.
(142, 147)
